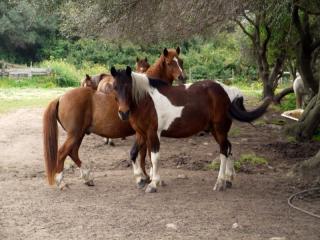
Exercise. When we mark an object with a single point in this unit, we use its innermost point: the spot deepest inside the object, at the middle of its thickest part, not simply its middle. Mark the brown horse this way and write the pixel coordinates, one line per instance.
(93, 81)
(157, 109)
(83, 111)
(142, 65)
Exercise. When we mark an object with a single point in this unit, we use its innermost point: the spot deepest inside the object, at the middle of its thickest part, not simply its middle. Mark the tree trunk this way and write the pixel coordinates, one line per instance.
(268, 90)
(308, 169)
(309, 121)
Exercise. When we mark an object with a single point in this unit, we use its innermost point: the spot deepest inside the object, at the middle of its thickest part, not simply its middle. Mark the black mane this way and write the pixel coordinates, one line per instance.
(156, 83)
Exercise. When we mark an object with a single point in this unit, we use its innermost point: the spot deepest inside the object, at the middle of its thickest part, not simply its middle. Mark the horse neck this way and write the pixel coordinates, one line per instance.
(158, 70)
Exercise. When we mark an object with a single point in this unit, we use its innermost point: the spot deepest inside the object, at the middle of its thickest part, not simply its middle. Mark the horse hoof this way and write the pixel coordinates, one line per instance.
(89, 183)
(142, 183)
(150, 189)
(220, 185)
(229, 184)
(63, 186)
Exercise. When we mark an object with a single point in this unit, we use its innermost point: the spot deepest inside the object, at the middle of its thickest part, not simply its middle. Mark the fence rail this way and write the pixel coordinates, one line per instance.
(17, 71)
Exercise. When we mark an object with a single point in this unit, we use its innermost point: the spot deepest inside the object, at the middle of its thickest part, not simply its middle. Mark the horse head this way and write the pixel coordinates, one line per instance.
(87, 81)
(174, 65)
(142, 65)
(122, 86)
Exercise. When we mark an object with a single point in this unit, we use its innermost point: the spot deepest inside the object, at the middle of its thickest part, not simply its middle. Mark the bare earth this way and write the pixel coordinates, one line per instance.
(115, 209)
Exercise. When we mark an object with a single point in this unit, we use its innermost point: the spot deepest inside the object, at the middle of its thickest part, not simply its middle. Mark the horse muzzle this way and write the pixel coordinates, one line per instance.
(124, 116)
(182, 79)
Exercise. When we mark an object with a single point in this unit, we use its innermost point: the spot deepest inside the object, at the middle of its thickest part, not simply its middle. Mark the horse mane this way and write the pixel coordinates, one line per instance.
(141, 85)
(156, 67)
(156, 83)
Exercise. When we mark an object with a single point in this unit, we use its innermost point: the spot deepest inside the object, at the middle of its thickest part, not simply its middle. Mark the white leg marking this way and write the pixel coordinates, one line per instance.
(221, 182)
(59, 177)
(86, 175)
(150, 172)
(137, 170)
(59, 180)
(230, 172)
(155, 180)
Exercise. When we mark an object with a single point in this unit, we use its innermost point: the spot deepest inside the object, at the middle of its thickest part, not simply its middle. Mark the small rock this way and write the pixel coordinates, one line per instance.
(182, 176)
(210, 154)
(206, 143)
(172, 226)
(278, 238)
(235, 225)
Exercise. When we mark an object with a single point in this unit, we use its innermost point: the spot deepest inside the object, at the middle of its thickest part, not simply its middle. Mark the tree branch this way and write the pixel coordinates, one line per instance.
(244, 30)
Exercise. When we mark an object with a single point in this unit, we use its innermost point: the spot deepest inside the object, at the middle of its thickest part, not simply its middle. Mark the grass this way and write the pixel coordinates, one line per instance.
(246, 161)
(15, 98)
(234, 132)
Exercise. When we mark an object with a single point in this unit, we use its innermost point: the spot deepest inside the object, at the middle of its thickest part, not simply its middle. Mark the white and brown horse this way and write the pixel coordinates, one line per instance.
(83, 111)
(157, 109)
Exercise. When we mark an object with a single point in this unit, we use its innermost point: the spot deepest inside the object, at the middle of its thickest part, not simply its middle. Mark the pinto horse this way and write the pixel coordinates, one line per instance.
(156, 109)
(83, 111)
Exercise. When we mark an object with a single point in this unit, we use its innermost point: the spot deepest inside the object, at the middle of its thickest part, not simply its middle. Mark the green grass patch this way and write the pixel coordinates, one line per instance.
(288, 103)
(33, 82)
(245, 162)
(234, 132)
(15, 98)
(249, 160)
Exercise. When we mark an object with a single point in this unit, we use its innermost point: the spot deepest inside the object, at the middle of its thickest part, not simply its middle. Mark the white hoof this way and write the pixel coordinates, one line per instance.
(220, 185)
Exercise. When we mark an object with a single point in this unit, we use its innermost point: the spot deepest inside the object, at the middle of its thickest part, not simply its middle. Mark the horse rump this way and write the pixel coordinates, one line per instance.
(238, 111)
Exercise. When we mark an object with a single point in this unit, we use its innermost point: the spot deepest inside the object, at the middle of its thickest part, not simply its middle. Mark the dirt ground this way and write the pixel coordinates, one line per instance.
(186, 208)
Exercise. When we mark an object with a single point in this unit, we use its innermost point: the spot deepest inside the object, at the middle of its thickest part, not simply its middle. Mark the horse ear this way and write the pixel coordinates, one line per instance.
(137, 59)
(113, 71)
(146, 59)
(88, 77)
(128, 71)
(165, 52)
(178, 50)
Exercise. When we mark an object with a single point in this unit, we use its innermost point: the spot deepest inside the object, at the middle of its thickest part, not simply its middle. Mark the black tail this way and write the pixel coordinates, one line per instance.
(238, 111)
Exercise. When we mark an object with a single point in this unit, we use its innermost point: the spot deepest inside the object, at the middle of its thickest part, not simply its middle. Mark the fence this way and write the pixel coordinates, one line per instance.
(17, 71)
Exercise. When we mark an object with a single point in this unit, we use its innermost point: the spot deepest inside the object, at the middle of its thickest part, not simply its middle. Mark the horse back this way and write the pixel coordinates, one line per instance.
(75, 109)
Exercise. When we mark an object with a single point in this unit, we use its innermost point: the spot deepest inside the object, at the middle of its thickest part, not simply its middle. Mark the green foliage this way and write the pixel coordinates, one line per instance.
(24, 28)
(67, 75)
(288, 102)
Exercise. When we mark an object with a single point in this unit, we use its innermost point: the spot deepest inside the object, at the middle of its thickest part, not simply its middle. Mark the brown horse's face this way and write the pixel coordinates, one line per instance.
(142, 65)
(174, 65)
(122, 86)
(87, 82)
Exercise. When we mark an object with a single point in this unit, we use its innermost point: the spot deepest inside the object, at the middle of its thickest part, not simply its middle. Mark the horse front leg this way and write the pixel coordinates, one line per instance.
(154, 147)
(138, 165)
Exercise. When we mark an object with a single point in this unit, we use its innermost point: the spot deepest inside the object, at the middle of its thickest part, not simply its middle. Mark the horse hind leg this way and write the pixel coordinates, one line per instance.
(63, 152)
(109, 141)
(226, 170)
(85, 171)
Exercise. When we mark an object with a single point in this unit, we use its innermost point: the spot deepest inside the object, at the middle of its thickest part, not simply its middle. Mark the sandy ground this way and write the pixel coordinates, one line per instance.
(255, 208)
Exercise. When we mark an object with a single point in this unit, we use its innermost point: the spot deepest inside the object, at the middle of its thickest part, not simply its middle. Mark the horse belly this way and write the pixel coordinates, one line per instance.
(186, 126)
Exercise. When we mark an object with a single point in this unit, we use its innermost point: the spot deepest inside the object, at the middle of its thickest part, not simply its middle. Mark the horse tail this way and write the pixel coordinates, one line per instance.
(50, 139)
(238, 111)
